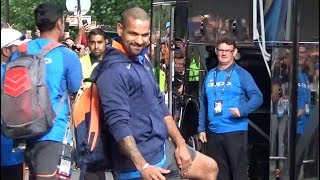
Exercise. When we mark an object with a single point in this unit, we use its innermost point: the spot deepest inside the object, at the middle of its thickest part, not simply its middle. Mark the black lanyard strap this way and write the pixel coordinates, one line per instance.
(228, 77)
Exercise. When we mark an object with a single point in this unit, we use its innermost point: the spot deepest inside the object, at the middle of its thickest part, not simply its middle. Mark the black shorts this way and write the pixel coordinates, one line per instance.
(15, 172)
(171, 163)
(43, 157)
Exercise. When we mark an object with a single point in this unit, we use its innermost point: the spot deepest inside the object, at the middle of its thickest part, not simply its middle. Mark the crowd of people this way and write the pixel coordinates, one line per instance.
(146, 142)
(126, 80)
(210, 27)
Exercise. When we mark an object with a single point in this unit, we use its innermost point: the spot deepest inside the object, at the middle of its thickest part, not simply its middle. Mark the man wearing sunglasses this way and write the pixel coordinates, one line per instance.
(11, 161)
(10, 40)
(229, 94)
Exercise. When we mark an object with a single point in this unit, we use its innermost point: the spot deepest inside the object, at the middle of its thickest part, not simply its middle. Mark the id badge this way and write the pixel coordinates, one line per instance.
(64, 167)
(307, 109)
(217, 108)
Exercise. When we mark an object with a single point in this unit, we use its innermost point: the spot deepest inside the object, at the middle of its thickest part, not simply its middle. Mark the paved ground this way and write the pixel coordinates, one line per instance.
(272, 175)
(75, 175)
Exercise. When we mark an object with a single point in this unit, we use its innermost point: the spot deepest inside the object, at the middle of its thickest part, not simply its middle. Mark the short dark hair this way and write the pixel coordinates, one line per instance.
(46, 16)
(228, 40)
(135, 13)
(97, 31)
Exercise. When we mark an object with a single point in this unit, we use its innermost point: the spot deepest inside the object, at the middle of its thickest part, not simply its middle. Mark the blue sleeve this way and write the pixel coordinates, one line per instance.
(301, 99)
(203, 109)
(73, 70)
(253, 93)
(3, 68)
(13, 56)
(113, 87)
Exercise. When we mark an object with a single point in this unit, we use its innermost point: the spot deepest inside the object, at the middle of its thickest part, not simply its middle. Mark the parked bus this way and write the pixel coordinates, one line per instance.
(183, 38)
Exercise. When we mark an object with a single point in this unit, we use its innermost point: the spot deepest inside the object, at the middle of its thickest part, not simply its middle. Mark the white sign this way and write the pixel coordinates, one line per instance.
(74, 20)
(72, 6)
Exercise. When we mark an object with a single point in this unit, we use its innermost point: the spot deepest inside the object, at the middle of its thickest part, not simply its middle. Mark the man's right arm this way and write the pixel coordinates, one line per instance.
(74, 71)
(128, 146)
(203, 114)
(203, 109)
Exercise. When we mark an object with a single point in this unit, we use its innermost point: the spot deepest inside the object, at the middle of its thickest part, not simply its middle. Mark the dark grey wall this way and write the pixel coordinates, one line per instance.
(226, 8)
(309, 25)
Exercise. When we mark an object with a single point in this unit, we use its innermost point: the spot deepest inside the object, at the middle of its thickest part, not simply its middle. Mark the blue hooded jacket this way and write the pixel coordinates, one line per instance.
(132, 106)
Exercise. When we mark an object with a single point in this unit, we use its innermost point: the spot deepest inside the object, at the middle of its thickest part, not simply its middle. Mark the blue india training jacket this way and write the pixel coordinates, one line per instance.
(304, 97)
(63, 72)
(240, 92)
(132, 106)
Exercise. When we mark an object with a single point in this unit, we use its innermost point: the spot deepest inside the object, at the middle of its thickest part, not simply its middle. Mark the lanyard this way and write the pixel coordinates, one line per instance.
(228, 77)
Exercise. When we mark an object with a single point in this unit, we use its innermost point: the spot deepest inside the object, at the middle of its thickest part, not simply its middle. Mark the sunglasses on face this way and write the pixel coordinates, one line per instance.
(21, 38)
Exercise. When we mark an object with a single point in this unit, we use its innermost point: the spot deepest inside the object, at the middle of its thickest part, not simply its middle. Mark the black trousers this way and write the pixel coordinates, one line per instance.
(231, 153)
(99, 175)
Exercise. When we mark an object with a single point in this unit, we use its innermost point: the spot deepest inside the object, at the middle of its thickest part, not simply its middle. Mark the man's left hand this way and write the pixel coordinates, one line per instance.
(235, 112)
(183, 158)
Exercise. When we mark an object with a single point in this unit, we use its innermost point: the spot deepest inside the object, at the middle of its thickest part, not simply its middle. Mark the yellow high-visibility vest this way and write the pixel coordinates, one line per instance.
(162, 81)
(194, 70)
(87, 67)
(161, 78)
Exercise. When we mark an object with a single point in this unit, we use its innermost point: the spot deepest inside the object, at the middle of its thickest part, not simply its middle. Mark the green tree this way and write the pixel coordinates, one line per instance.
(106, 12)
(109, 12)
(21, 12)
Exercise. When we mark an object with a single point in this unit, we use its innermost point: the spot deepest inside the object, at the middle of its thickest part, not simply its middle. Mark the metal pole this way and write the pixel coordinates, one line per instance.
(171, 61)
(294, 86)
(7, 11)
(79, 7)
(288, 27)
